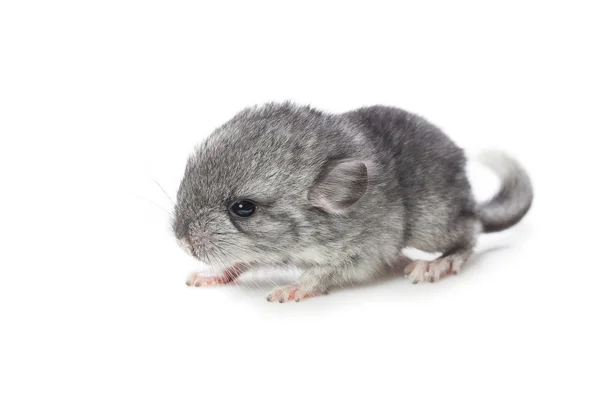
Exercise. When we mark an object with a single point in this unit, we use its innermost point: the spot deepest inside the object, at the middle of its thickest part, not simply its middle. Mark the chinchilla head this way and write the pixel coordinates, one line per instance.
(275, 182)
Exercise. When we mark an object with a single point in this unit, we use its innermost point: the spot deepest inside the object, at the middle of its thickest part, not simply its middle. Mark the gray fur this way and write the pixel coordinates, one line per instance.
(514, 198)
(340, 195)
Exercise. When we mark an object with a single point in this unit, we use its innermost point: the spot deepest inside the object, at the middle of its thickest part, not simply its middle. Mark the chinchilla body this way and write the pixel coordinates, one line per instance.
(339, 195)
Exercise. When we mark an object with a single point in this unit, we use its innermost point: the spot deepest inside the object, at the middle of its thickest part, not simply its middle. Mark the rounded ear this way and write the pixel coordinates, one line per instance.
(339, 186)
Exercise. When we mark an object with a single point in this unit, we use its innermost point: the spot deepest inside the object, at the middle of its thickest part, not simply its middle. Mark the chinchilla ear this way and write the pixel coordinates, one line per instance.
(340, 185)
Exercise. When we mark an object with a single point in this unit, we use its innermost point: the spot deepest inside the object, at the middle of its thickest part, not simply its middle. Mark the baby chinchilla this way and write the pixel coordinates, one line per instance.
(339, 195)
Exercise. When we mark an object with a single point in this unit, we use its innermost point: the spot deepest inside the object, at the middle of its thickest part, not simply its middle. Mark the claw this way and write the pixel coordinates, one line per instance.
(431, 271)
(293, 292)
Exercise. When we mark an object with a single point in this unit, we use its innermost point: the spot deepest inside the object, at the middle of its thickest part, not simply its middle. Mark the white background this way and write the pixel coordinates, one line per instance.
(100, 99)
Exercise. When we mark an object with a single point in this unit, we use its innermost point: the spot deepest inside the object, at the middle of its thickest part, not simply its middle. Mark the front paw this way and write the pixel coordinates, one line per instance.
(199, 280)
(293, 292)
(226, 277)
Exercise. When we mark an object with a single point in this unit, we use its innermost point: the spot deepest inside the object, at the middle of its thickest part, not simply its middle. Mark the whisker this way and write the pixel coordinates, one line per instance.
(151, 202)
(274, 283)
(227, 252)
(269, 247)
(255, 284)
(226, 264)
(225, 271)
(164, 191)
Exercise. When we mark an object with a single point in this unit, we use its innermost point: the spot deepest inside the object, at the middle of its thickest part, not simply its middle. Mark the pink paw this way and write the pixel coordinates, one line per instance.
(287, 293)
(432, 271)
(199, 280)
(227, 277)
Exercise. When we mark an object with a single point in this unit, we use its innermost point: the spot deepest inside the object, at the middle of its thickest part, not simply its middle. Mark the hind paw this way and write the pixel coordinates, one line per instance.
(293, 292)
(432, 271)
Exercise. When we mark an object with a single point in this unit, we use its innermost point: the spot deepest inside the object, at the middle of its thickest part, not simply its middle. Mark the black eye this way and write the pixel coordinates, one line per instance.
(243, 208)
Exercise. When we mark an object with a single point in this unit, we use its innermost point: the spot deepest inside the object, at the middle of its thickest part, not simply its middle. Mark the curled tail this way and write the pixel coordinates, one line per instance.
(514, 198)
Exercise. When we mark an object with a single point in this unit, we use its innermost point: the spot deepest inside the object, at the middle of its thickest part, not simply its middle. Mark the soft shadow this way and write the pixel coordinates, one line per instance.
(479, 256)
(396, 271)
(262, 281)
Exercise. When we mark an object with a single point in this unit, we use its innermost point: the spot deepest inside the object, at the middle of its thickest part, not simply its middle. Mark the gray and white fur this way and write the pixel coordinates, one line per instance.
(339, 195)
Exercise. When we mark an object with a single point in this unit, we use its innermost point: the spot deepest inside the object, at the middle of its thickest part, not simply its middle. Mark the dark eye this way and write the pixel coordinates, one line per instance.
(243, 208)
